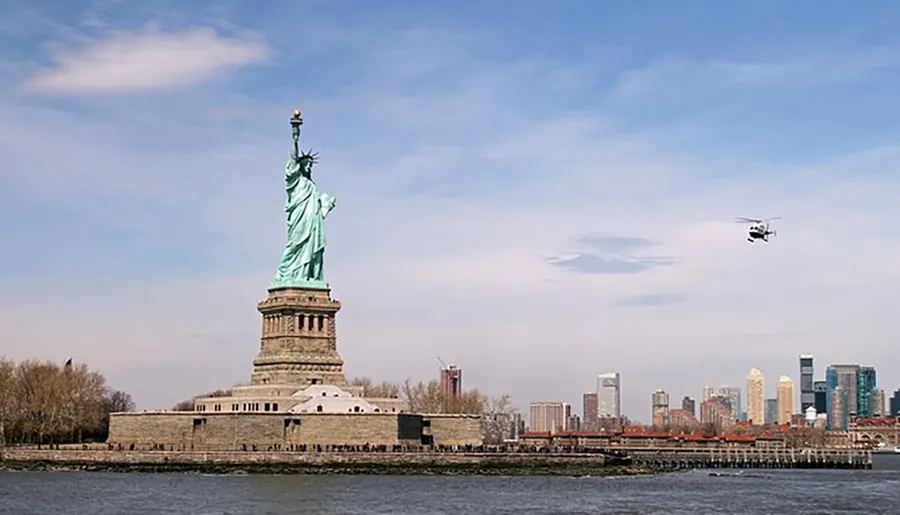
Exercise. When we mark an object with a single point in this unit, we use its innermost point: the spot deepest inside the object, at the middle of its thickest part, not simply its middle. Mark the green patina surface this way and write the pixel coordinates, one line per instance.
(305, 211)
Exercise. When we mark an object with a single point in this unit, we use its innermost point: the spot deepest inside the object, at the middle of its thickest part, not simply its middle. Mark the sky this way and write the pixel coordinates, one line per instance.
(538, 194)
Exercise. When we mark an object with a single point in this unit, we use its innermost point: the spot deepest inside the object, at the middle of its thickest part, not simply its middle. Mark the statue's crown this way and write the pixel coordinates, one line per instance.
(309, 154)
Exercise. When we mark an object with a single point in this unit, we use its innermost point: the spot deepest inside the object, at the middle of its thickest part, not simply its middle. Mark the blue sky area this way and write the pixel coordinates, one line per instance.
(539, 193)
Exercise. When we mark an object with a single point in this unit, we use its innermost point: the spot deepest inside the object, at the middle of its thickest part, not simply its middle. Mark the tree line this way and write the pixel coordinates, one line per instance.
(45, 402)
(498, 413)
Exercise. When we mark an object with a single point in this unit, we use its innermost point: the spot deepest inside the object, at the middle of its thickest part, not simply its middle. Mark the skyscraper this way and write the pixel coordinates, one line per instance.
(567, 417)
(708, 392)
(660, 407)
(589, 411)
(451, 385)
(756, 397)
(865, 389)
(807, 394)
(609, 395)
(688, 404)
(733, 394)
(838, 414)
(845, 377)
(771, 411)
(785, 396)
(877, 408)
(547, 417)
(820, 389)
(895, 404)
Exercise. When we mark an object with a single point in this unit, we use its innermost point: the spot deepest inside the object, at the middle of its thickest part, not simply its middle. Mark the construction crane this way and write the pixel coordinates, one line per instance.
(444, 366)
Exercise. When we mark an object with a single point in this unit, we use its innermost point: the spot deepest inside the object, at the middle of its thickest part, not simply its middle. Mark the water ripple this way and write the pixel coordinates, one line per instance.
(691, 493)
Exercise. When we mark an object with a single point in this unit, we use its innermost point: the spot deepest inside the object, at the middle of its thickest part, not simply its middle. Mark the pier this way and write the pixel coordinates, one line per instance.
(687, 458)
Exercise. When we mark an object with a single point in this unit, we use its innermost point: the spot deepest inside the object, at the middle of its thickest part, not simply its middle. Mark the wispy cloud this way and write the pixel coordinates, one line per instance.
(672, 74)
(148, 60)
(810, 69)
(650, 300)
(92, 20)
(591, 264)
(610, 255)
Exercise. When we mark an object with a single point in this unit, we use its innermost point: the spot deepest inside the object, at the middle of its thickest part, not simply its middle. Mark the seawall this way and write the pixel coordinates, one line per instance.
(425, 463)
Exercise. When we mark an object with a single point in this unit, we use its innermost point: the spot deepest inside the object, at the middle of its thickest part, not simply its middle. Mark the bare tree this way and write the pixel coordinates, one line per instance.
(216, 393)
(470, 402)
(382, 390)
(186, 405)
(805, 437)
(8, 399)
(709, 429)
(44, 402)
(611, 424)
(119, 402)
(498, 412)
(83, 396)
(422, 397)
(40, 392)
(426, 397)
(364, 382)
(499, 419)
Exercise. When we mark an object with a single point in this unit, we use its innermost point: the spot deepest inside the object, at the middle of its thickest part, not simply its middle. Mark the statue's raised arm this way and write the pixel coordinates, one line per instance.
(296, 122)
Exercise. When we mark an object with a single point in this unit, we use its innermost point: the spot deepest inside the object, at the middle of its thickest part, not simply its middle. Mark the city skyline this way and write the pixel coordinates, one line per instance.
(755, 388)
(544, 205)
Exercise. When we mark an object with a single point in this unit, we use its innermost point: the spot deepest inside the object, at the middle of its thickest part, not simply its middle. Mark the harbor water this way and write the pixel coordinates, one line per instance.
(694, 492)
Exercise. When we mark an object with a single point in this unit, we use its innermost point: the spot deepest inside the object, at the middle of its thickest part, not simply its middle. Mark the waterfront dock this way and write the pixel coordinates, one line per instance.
(691, 458)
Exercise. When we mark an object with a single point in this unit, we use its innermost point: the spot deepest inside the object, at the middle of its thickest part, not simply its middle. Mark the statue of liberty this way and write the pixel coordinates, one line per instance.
(305, 209)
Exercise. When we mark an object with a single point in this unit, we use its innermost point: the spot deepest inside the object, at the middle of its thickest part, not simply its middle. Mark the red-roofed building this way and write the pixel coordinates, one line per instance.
(875, 432)
(634, 437)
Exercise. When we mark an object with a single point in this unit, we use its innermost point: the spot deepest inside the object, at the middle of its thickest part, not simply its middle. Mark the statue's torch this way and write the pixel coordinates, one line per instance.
(296, 118)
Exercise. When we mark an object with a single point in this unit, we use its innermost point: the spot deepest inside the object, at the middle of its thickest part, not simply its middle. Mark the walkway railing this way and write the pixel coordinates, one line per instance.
(753, 458)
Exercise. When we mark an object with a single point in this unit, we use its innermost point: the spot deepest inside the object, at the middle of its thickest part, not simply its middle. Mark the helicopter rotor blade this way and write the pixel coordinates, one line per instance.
(742, 220)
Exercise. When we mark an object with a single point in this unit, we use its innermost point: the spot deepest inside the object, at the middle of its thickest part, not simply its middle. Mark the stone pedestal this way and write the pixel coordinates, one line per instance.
(299, 341)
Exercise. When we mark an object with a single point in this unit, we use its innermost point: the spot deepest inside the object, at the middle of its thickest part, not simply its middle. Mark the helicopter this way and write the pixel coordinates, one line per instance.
(759, 228)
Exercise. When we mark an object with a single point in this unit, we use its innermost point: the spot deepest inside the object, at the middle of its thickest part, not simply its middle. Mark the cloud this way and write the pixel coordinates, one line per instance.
(93, 20)
(672, 75)
(610, 255)
(148, 60)
(650, 300)
(590, 264)
(807, 70)
(456, 177)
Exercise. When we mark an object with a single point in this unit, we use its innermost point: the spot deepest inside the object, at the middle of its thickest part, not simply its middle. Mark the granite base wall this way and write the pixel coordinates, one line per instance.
(447, 429)
(184, 431)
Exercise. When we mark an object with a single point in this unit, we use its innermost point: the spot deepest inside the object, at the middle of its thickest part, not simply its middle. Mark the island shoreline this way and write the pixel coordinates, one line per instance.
(286, 463)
